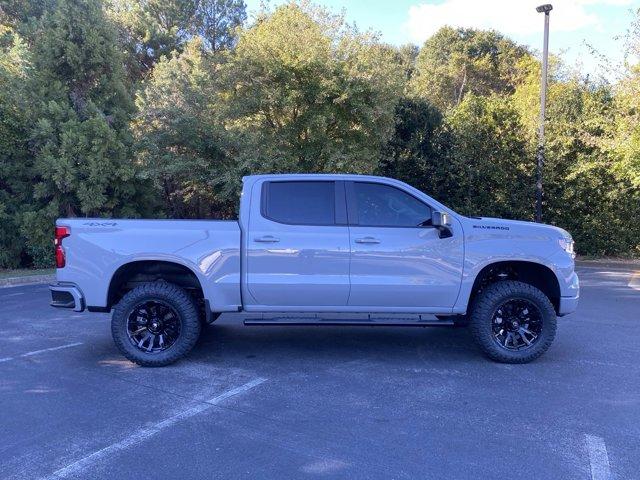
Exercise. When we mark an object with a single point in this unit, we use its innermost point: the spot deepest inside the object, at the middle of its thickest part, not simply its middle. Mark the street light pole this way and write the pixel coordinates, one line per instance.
(543, 102)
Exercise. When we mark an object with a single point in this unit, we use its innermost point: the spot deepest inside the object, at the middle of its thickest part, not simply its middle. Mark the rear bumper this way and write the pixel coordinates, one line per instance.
(66, 295)
(568, 305)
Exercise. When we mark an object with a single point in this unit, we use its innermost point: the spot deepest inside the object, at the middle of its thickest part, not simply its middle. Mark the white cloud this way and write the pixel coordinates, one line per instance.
(512, 17)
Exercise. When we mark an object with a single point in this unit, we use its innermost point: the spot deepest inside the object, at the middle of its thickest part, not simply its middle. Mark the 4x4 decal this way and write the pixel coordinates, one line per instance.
(100, 224)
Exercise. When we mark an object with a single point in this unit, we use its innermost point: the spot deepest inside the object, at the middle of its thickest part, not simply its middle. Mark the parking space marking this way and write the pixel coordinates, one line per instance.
(598, 458)
(635, 281)
(145, 433)
(38, 352)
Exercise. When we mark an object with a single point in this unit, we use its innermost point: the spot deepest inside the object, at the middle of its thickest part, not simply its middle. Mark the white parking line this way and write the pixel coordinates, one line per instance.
(635, 281)
(144, 433)
(38, 352)
(598, 458)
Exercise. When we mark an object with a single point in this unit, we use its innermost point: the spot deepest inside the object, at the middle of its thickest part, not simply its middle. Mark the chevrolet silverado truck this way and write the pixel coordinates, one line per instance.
(346, 244)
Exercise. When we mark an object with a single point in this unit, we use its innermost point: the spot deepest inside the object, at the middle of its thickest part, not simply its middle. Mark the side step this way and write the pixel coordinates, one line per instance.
(316, 322)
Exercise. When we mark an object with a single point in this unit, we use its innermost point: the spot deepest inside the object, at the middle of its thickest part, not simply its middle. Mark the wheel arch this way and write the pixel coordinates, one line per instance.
(136, 272)
(533, 273)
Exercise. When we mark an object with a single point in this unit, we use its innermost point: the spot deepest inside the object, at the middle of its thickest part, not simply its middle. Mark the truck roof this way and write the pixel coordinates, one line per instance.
(305, 176)
(250, 180)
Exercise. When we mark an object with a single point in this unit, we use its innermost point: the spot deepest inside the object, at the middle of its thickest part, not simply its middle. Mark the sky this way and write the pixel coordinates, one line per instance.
(574, 24)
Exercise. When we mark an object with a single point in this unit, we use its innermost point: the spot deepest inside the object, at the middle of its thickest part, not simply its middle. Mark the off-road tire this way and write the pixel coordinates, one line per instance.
(176, 297)
(484, 307)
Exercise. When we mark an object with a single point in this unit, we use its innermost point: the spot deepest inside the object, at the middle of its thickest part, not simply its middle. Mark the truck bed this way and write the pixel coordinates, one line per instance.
(96, 248)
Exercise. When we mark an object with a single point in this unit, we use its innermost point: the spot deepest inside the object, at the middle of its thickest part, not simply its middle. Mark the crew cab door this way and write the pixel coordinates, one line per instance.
(298, 244)
(395, 262)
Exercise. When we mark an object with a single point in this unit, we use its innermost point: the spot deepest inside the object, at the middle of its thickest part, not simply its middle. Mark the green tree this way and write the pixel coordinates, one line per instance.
(18, 13)
(627, 110)
(412, 153)
(216, 22)
(485, 168)
(151, 29)
(627, 138)
(180, 140)
(305, 92)
(585, 191)
(457, 61)
(80, 140)
(15, 162)
(588, 187)
(299, 90)
(407, 55)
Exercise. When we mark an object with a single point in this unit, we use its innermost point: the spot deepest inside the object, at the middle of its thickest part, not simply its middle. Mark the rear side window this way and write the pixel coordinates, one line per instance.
(381, 205)
(299, 203)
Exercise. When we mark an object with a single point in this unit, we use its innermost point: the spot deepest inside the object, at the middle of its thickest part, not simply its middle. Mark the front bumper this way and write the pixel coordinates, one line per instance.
(66, 295)
(568, 305)
(570, 294)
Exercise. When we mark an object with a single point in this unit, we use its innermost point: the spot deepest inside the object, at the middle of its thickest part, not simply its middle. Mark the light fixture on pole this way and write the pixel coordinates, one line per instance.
(543, 101)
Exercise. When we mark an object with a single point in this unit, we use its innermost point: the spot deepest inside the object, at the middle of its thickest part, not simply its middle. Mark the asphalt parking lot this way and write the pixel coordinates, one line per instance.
(308, 402)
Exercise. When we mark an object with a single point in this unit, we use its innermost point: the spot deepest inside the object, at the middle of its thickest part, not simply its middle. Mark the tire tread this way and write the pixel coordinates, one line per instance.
(482, 311)
(184, 305)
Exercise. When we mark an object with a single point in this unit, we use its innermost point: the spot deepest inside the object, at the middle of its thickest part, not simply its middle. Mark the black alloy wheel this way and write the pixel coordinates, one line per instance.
(516, 324)
(512, 321)
(153, 326)
(156, 324)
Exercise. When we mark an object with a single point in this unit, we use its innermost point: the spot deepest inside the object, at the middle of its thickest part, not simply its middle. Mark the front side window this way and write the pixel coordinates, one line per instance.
(300, 203)
(381, 205)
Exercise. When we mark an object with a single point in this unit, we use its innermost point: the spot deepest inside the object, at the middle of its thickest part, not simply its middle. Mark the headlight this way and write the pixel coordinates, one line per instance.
(567, 245)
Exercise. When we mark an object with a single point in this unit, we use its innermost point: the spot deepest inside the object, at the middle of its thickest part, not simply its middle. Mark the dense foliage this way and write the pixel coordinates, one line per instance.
(157, 108)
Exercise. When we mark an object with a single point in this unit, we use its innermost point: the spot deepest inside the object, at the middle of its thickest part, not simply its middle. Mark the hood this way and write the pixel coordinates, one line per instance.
(476, 225)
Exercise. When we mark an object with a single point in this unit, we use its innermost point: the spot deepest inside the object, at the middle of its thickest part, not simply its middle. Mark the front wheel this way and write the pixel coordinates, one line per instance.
(512, 322)
(155, 324)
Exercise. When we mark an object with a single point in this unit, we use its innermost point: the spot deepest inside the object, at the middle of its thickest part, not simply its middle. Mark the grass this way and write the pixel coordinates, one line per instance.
(26, 272)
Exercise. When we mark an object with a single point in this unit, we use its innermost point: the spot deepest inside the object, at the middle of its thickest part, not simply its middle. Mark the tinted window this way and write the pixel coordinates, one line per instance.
(384, 206)
(304, 203)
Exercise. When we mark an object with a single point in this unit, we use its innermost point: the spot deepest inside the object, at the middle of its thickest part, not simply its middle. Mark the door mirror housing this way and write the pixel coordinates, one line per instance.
(442, 222)
(439, 219)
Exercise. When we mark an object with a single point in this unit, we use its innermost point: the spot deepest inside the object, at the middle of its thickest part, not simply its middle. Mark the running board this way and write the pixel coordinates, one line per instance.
(303, 322)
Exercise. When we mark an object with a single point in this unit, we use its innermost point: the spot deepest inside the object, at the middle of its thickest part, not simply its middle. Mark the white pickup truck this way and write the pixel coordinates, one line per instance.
(320, 243)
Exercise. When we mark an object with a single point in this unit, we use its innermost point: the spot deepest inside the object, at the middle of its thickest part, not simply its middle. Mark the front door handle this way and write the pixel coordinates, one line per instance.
(367, 240)
(267, 239)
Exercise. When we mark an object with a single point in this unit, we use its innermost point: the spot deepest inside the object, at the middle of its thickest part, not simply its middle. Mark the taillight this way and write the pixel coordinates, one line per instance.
(61, 232)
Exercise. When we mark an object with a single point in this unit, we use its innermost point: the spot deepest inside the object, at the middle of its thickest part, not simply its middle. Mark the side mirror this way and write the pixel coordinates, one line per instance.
(441, 221)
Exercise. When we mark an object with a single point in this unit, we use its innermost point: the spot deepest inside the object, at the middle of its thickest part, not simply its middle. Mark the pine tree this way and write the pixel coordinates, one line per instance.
(81, 140)
(15, 162)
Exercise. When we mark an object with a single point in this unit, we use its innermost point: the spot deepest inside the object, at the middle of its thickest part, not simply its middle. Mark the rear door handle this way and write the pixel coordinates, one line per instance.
(267, 239)
(367, 240)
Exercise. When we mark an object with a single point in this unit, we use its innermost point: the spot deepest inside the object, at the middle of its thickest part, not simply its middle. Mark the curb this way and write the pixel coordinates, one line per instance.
(26, 280)
(631, 264)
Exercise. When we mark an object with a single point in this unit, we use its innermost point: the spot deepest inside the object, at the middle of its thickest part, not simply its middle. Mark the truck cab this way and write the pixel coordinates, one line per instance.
(331, 243)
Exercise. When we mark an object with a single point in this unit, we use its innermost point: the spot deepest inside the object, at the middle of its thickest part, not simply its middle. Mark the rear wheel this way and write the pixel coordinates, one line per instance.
(155, 324)
(513, 322)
